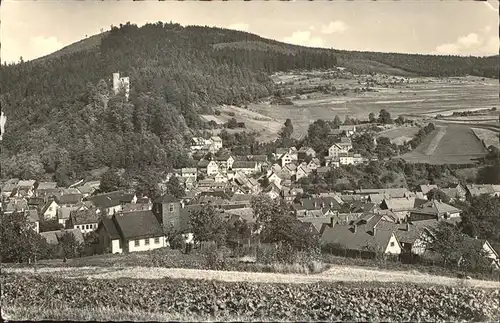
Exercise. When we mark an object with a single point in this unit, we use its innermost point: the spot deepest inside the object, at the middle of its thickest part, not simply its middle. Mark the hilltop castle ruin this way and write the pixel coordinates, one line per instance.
(118, 82)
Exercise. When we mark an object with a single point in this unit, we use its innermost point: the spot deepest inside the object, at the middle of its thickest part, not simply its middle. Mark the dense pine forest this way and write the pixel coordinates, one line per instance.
(63, 118)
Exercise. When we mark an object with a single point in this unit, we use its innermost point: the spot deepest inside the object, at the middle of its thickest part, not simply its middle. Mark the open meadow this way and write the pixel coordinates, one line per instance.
(424, 98)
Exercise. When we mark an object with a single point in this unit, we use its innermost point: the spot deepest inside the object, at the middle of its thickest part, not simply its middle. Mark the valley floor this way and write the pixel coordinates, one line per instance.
(334, 274)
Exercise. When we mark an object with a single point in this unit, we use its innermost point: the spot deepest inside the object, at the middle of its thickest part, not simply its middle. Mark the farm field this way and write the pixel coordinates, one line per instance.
(489, 137)
(399, 135)
(30, 296)
(267, 127)
(451, 144)
(423, 100)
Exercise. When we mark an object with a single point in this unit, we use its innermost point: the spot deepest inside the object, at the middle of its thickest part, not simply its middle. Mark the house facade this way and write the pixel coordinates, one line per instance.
(131, 232)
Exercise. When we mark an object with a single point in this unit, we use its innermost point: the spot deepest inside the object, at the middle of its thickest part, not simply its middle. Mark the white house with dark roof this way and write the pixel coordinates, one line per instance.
(344, 146)
(369, 234)
(49, 210)
(435, 210)
(85, 220)
(246, 167)
(131, 232)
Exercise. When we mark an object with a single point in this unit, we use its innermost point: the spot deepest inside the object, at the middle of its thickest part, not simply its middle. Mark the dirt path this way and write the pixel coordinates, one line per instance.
(335, 273)
(441, 131)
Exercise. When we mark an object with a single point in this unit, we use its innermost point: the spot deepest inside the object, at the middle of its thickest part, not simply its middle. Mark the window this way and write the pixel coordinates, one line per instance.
(146, 242)
(171, 207)
(50, 208)
(87, 227)
(157, 240)
(392, 243)
(136, 243)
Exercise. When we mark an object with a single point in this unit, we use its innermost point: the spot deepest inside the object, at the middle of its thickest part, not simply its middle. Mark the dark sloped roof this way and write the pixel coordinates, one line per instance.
(69, 198)
(139, 224)
(111, 199)
(110, 227)
(46, 185)
(53, 237)
(360, 239)
(244, 164)
(167, 198)
(84, 216)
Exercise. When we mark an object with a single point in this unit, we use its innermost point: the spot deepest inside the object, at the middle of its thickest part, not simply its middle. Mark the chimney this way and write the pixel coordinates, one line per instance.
(354, 228)
(407, 226)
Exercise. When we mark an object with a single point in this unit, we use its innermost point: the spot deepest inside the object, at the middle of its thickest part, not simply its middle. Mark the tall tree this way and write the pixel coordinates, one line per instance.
(208, 224)
(384, 117)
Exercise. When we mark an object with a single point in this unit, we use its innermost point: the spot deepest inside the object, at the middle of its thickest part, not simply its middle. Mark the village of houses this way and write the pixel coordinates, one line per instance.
(393, 220)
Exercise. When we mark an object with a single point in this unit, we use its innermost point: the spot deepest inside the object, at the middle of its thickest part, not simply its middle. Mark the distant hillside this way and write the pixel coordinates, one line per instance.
(63, 119)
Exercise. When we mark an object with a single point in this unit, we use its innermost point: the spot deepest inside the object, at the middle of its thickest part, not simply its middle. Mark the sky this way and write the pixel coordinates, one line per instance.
(36, 28)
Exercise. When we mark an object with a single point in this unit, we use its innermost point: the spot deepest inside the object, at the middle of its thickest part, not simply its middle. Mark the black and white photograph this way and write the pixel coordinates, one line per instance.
(250, 161)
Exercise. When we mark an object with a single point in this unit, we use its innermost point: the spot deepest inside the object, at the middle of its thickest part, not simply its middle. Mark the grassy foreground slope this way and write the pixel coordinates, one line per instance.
(211, 300)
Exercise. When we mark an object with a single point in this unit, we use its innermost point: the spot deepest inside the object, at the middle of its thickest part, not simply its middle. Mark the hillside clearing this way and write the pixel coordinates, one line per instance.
(334, 274)
(453, 144)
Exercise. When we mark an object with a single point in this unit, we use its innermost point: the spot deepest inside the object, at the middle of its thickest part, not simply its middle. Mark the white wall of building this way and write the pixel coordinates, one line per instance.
(393, 246)
(143, 246)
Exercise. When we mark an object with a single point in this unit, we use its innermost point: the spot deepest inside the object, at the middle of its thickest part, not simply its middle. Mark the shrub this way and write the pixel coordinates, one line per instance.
(176, 241)
(214, 258)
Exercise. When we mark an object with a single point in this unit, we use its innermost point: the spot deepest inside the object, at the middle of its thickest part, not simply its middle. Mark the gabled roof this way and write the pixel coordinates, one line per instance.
(389, 192)
(137, 225)
(305, 149)
(475, 189)
(110, 227)
(244, 164)
(69, 198)
(86, 189)
(317, 222)
(46, 185)
(435, 208)
(399, 204)
(347, 127)
(84, 216)
(53, 237)
(47, 205)
(130, 207)
(166, 198)
(246, 214)
(411, 231)
(318, 203)
(26, 183)
(111, 199)
(363, 237)
(63, 213)
(257, 158)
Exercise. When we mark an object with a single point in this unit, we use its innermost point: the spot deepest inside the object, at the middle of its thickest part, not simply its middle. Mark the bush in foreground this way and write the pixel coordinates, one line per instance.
(209, 300)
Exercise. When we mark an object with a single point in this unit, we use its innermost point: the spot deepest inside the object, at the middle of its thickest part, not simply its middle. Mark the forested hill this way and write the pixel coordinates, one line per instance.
(63, 120)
